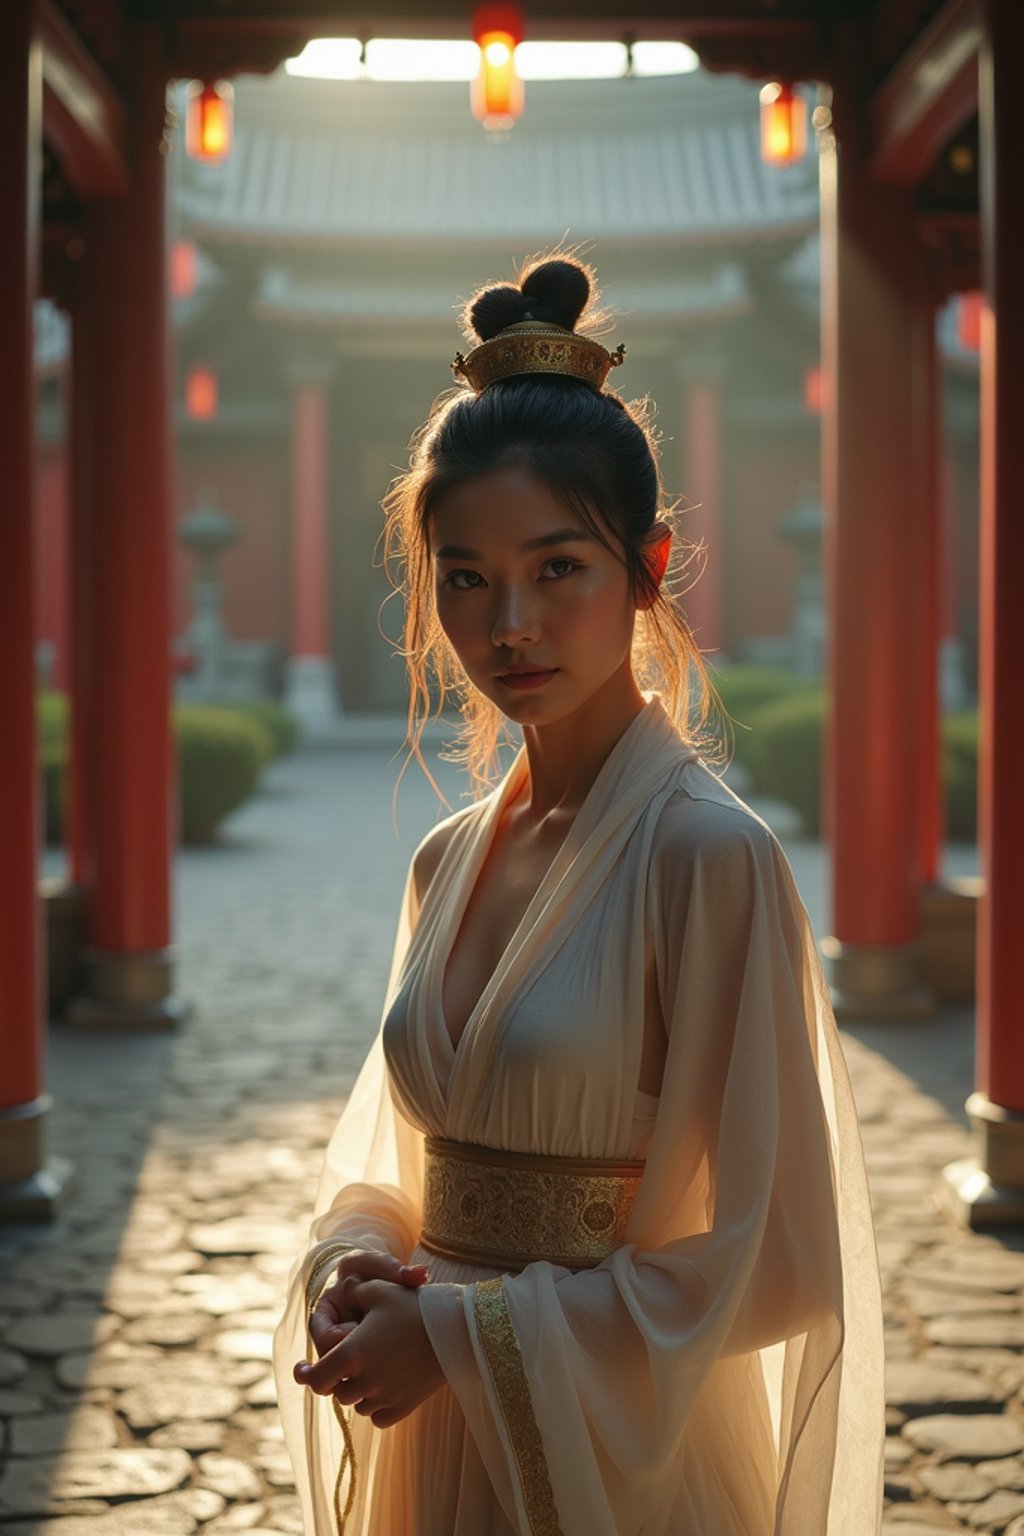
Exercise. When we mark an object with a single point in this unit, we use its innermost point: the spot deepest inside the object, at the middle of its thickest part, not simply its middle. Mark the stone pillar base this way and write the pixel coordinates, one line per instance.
(948, 924)
(128, 991)
(65, 906)
(974, 1200)
(987, 1190)
(31, 1184)
(875, 981)
(309, 692)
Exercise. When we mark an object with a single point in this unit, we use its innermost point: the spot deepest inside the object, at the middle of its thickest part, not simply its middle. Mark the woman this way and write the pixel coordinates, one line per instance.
(593, 1251)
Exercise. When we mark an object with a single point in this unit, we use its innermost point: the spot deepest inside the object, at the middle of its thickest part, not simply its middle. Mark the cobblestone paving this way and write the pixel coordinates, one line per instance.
(135, 1394)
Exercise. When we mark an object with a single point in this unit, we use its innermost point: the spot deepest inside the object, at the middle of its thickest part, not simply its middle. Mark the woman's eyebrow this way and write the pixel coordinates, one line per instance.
(560, 536)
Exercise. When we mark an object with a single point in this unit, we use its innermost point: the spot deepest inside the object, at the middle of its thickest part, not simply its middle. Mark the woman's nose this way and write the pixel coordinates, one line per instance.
(515, 618)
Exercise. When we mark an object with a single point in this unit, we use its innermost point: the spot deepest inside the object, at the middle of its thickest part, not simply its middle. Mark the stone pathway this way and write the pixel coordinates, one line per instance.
(135, 1392)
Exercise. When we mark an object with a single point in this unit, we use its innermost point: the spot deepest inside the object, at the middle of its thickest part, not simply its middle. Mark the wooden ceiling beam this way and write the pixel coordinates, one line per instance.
(83, 116)
(545, 18)
(930, 93)
(258, 34)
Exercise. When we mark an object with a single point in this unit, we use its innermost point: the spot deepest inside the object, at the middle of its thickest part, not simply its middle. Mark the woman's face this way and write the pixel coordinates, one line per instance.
(538, 611)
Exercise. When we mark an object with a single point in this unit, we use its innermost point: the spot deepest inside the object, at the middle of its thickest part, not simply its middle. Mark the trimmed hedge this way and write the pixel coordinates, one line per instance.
(960, 774)
(221, 755)
(786, 757)
(222, 751)
(744, 690)
(280, 724)
(784, 753)
(52, 718)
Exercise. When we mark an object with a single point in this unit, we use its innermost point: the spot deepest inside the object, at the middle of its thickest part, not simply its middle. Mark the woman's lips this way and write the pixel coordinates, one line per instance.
(524, 680)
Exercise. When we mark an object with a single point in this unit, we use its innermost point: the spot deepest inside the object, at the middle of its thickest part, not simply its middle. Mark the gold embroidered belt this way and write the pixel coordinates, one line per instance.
(504, 1210)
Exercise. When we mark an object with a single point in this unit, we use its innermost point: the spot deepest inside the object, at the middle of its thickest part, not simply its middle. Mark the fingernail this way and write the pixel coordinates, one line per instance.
(304, 1367)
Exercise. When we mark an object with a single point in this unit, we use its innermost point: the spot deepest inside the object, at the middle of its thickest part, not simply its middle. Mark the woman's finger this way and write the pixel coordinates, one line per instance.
(326, 1331)
(364, 1265)
(324, 1376)
(349, 1393)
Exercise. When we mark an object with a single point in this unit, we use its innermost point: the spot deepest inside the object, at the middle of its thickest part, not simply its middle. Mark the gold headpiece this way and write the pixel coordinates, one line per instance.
(537, 346)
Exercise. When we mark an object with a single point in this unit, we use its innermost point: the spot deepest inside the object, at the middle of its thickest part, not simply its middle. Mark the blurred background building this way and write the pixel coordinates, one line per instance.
(315, 276)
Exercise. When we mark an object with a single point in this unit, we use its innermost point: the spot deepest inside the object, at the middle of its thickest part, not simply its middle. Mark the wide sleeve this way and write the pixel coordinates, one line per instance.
(369, 1195)
(743, 1317)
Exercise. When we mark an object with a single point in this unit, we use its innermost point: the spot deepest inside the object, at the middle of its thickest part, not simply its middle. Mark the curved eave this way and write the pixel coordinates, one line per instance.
(283, 239)
(682, 166)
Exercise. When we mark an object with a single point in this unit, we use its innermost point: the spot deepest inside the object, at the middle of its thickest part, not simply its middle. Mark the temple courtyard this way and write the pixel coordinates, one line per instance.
(135, 1387)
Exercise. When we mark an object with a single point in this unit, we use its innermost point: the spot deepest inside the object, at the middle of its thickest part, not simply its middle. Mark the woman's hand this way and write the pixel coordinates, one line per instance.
(336, 1313)
(384, 1365)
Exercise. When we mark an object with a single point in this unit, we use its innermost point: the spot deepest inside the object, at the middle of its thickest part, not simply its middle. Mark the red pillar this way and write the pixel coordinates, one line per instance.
(702, 484)
(928, 539)
(870, 296)
(28, 1185)
(990, 1189)
(129, 956)
(310, 687)
(81, 807)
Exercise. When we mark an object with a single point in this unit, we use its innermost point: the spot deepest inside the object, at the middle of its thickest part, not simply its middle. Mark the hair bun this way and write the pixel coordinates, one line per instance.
(556, 291)
(491, 309)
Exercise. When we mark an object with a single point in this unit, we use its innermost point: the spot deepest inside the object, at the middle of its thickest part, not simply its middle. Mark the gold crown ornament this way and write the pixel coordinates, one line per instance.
(537, 346)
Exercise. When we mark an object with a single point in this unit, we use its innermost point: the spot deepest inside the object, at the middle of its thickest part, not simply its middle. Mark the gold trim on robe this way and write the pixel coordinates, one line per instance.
(505, 1363)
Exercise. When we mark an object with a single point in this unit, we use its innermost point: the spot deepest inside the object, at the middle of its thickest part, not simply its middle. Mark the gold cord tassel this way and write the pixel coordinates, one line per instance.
(326, 1262)
(348, 1462)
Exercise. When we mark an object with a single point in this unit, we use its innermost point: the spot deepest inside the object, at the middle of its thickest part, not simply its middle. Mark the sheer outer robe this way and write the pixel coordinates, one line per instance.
(750, 1268)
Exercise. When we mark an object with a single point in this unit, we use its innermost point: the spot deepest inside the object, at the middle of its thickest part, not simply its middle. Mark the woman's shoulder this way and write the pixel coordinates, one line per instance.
(427, 858)
(703, 821)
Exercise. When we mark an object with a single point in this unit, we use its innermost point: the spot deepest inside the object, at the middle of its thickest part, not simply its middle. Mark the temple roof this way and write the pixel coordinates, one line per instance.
(720, 292)
(670, 161)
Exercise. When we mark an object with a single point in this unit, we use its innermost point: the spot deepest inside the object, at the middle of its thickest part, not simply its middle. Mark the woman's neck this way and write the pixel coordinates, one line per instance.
(565, 757)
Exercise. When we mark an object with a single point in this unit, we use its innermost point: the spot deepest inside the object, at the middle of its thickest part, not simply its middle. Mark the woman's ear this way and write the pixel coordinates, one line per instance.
(657, 548)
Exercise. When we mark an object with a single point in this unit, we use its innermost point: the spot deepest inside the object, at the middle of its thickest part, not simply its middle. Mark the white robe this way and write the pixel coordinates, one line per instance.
(719, 1374)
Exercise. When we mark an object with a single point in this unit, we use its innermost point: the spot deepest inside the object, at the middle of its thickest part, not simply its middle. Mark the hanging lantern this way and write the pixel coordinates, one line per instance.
(783, 125)
(814, 389)
(968, 319)
(209, 110)
(497, 91)
(183, 269)
(201, 394)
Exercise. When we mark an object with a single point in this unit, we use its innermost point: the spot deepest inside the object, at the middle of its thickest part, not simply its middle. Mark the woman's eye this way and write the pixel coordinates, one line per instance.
(463, 581)
(561, 566)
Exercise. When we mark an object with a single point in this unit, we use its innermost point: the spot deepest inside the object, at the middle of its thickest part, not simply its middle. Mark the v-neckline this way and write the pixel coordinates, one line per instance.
(504, 796)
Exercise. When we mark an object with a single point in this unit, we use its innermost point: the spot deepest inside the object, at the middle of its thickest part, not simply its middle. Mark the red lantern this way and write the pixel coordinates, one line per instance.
(183, 269)
(497, 92)
(201, 394)
(968, 320)
(783, 125)
(814, 389)
(209, 110)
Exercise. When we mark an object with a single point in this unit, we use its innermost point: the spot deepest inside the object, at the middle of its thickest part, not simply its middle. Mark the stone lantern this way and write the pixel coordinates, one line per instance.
(803, 526)
(208, 531)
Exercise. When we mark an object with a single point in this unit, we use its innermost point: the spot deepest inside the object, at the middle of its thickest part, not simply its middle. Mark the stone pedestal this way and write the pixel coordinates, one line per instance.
(31, 1184)
(65, 907)
(987, 1190)
(875, 981)
(128, 991)
(947, 937)
(309, 694)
